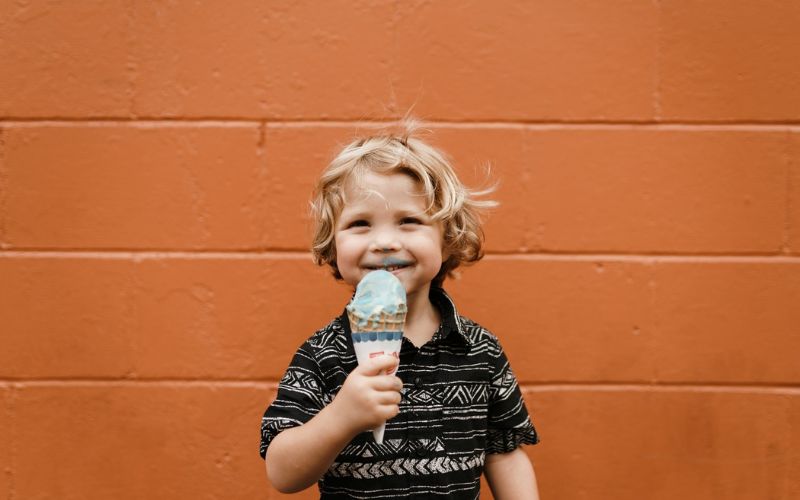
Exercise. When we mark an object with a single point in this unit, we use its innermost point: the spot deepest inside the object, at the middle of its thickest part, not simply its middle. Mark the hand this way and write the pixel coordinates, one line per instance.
(369, 396)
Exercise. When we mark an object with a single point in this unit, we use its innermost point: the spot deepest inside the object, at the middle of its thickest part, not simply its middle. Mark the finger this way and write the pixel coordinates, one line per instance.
(388, 383)
(388, 398)
(379, 364)
(390, 411)
(388, 407)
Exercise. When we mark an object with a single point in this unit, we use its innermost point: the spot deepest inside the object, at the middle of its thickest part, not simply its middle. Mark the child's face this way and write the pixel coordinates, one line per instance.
(383, 225)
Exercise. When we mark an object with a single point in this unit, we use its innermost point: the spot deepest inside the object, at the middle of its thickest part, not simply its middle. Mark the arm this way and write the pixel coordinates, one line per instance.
(298, 457)
(510, 476)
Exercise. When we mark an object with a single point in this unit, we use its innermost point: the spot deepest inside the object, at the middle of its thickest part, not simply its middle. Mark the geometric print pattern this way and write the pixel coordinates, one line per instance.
(400, 466)
(460, 402)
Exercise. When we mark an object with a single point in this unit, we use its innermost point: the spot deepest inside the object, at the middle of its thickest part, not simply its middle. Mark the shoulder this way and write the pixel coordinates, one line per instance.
(330, 350)
(479, 336)
(327, 336)
(328, 340)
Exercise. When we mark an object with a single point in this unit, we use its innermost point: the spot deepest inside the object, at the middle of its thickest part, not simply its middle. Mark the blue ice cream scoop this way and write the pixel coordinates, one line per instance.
(379, 297)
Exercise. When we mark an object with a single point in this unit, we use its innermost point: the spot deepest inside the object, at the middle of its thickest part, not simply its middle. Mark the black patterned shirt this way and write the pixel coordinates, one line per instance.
(460, 402)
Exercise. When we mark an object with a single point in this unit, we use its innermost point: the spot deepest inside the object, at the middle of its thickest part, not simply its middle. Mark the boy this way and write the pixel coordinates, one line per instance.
(453, 410)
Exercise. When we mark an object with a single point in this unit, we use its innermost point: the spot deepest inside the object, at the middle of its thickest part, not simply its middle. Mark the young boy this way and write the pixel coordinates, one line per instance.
(453, 410)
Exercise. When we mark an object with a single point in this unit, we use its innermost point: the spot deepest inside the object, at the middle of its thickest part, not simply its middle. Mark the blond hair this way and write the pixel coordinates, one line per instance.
(449, 201)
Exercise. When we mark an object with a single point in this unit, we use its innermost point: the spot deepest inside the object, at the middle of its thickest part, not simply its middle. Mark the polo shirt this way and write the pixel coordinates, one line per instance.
(460, 402)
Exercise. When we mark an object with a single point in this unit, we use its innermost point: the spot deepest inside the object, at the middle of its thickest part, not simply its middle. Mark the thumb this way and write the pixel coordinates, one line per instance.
(379, 365)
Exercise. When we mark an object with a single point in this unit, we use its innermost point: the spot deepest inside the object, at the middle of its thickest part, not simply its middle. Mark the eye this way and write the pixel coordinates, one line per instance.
(410, 220)
(357, 223)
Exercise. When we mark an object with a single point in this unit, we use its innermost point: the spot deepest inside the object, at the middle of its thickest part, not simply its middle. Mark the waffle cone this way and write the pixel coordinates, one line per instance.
(383, 323)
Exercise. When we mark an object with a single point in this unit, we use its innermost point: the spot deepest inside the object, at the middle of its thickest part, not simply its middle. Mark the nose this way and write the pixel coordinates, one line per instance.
(385, 240)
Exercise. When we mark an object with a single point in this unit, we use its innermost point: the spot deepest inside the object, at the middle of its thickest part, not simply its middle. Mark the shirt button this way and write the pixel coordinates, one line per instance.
(420, 452)
(417, 382)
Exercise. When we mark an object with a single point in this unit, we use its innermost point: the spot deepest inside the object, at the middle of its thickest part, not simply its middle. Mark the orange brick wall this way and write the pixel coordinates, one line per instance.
(643, 270)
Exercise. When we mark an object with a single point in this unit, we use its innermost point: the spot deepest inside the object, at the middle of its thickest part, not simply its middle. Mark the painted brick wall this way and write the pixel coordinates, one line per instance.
(643, 270)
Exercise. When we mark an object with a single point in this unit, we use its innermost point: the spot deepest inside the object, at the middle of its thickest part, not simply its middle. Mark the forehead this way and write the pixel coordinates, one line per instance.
(389, 188)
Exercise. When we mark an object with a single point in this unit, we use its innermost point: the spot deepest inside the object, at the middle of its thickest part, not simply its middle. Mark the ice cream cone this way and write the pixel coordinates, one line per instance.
(377, 315)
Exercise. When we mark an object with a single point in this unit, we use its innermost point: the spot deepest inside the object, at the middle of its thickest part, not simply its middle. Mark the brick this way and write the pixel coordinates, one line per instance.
(793, 221)
(129, 187)
(581, 190)
(570, 320)
(230, 318)
(66, 317)
(201, 59)
(727, 321)
(563, 320)
(331, 60)
(665, 191)
(736, 444)
(725, 61)
(262, 61)
(237, 318)
(64, 60)
(140, 441)
(552, 60)
(630, 190)
(287, 60)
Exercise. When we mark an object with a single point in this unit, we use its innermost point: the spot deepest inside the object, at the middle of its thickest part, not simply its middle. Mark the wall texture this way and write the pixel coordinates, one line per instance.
(643, 270)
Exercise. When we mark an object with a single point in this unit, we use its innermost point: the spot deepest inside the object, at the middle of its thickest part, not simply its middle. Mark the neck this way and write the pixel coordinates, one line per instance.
(422, 319)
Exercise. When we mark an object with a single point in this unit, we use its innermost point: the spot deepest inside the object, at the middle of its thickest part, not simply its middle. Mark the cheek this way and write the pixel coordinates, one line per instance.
(431, 247)
(348, 253)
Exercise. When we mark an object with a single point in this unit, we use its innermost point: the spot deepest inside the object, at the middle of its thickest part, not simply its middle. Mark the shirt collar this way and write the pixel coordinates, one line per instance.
(451, 321)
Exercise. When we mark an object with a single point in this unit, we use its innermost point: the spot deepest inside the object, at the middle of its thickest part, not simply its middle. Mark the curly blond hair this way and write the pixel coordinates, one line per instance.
(449, 201)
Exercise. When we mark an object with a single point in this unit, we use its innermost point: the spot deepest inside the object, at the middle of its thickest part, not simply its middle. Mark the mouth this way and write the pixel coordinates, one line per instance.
(389, 265)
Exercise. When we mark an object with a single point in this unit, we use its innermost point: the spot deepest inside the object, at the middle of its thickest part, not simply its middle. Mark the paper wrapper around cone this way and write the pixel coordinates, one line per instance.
(379, 338)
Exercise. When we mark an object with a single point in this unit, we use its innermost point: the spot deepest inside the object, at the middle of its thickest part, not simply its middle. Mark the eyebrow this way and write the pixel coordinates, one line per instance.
(354, 215)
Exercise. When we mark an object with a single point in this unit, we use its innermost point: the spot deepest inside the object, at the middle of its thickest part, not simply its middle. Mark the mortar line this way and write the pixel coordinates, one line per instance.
(787, 389)
(261, 191)
(131, 57)
(217, 121)
(3, 192)
(787, 220)
(549, 386)
(657, 91)
(12, 443)
(136, 382)
(142, 255)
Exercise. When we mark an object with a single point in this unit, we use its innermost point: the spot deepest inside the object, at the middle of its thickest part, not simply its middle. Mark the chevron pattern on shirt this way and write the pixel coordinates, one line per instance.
(401, 466)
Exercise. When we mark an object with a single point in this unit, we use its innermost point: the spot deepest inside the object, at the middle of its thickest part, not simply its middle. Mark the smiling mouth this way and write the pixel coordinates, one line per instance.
(389, 266)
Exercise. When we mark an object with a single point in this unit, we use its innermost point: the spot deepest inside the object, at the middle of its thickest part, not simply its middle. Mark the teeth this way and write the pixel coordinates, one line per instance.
(389, 268)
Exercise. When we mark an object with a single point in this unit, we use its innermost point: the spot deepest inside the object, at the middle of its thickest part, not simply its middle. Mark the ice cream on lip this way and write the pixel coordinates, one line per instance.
(389, 262)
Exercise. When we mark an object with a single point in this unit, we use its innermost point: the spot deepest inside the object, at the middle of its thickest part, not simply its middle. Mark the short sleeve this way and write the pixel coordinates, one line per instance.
(300, 397)
(509, 423)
